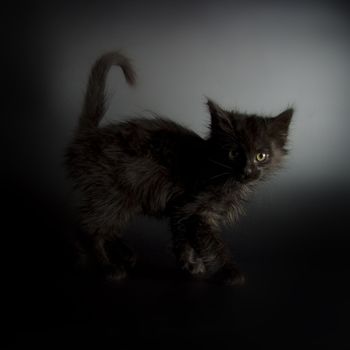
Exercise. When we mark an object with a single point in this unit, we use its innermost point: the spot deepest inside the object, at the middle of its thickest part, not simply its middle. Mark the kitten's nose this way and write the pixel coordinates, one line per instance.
(248, 172)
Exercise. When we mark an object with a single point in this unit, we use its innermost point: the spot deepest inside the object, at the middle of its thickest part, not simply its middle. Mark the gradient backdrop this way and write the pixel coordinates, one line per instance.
(258, 57)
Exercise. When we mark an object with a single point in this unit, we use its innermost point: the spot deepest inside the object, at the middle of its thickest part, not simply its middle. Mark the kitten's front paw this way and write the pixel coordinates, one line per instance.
(192, 263)
(229, 275)
(115, 273)
(196, 267)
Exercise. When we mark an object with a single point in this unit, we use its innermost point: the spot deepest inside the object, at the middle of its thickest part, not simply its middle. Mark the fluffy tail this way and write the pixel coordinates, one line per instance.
(94, 106)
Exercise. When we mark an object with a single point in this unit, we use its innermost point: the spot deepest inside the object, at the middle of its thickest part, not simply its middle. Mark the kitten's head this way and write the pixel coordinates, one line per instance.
(247, 146)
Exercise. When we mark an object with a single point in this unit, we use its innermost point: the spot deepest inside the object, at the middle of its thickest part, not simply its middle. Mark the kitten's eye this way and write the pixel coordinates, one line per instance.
(261, 157)
(233, 154)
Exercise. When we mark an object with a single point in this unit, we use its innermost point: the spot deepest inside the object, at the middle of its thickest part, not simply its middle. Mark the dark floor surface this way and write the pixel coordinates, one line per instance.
(296, 295)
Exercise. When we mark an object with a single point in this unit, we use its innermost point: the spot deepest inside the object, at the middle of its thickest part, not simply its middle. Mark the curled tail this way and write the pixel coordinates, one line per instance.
(94, 106)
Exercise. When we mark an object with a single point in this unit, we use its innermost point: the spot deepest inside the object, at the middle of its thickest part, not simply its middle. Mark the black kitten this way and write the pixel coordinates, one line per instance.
(159, 168)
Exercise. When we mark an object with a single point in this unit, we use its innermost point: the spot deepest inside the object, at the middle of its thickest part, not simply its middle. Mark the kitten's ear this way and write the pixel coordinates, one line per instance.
(284, 118)
(280, 125)
(220, 119)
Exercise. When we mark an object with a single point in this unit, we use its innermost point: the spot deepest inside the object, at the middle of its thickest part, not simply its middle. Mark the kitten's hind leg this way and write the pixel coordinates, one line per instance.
(119, 252)
(104, 224)
(110, 265)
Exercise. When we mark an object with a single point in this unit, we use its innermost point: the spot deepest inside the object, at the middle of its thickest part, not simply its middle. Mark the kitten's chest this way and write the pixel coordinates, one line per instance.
(230, 204)
(222, 204)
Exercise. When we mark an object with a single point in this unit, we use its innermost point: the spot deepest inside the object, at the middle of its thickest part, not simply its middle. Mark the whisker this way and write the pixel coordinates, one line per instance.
(216, 176)
(218, 163)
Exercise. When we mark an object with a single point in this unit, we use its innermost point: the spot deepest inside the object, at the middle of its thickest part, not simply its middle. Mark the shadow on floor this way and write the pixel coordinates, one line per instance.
(297, 291)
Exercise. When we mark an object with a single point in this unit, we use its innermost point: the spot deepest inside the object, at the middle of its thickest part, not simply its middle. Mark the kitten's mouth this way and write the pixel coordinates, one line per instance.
(245, 180)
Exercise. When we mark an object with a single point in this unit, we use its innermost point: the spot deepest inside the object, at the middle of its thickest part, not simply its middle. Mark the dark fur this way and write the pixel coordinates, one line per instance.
(159, 168)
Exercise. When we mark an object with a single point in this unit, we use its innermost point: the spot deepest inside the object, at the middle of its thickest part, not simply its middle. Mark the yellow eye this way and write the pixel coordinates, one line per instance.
(260, 157)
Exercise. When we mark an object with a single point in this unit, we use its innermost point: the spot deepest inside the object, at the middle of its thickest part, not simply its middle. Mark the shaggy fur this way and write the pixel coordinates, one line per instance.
(159, 168)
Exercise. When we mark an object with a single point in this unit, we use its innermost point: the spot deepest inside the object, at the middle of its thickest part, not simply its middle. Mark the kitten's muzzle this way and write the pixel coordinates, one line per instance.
(249, 174)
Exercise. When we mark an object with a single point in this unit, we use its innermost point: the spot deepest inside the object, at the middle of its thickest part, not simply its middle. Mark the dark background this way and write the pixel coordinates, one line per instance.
(293, 243)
